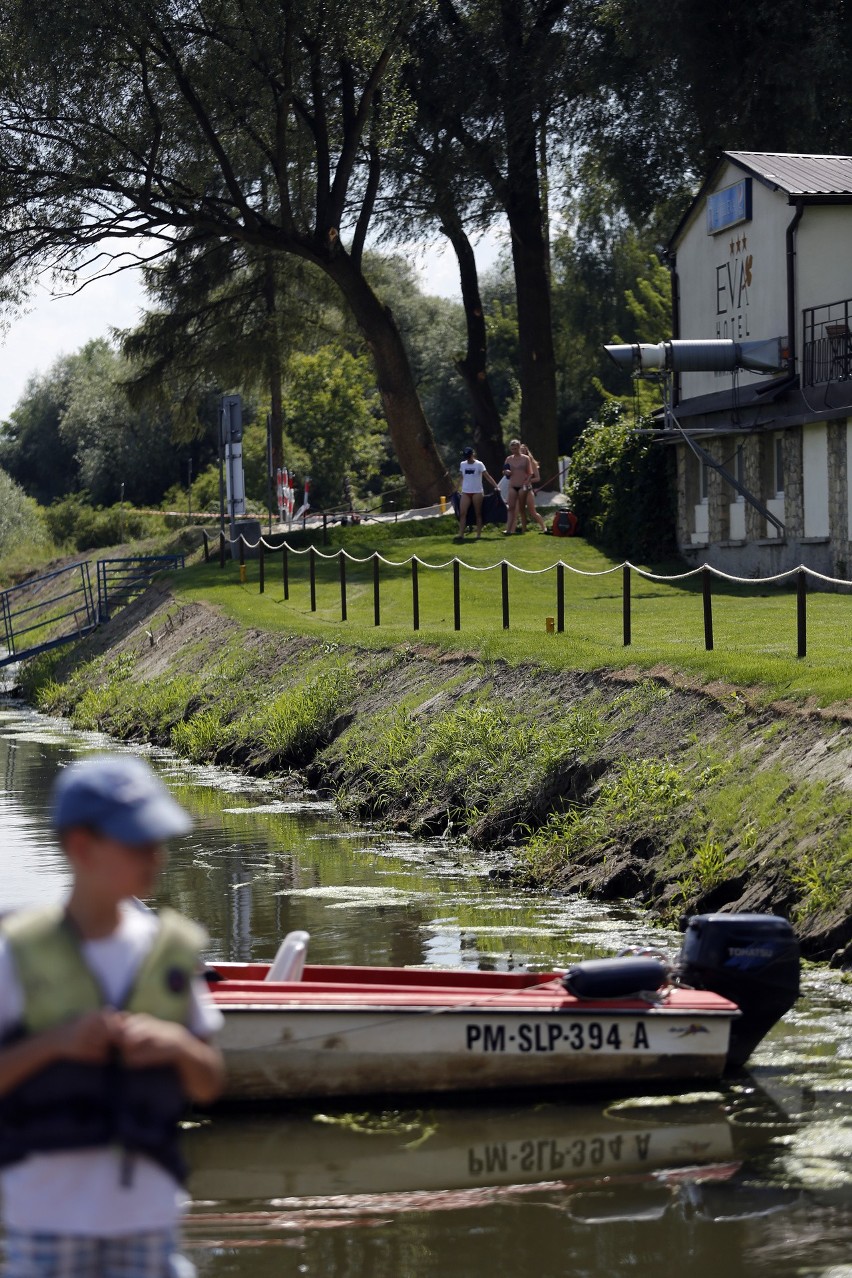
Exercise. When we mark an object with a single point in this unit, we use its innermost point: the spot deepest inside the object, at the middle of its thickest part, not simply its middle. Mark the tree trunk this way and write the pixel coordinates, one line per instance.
(530, 250)
(535, 340)
(425, 473)
(473, 369)
(276, 415)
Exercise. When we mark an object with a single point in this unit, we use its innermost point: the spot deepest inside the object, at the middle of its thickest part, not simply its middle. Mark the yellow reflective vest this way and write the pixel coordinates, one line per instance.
(73, 1105)
(58, 986)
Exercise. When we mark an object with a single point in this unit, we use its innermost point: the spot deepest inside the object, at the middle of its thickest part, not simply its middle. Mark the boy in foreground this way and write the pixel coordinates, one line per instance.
(104, 1024)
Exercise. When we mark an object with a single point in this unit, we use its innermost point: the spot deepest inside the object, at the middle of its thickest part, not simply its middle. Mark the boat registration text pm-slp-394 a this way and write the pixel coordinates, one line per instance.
(303, 1031)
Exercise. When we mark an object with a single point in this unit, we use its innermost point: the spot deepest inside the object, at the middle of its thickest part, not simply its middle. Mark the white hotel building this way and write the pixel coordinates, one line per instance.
(765, 251)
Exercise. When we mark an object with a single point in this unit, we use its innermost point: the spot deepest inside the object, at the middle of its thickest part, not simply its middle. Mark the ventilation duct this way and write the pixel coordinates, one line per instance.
(710, 355)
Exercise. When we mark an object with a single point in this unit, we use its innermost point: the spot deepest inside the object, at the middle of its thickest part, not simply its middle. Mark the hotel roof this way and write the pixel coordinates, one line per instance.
(798, 175)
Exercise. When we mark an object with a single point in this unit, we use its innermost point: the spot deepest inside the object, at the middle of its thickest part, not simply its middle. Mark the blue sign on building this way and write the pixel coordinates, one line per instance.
(729, 206)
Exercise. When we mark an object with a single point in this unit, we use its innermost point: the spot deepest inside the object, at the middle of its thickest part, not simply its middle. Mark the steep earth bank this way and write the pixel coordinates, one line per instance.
(612, 786)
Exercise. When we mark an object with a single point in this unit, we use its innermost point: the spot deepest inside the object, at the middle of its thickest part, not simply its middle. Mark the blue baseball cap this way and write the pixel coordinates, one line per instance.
(117, 795)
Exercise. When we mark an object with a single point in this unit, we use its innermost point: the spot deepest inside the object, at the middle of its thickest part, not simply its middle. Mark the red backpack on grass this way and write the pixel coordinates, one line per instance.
(565, 524)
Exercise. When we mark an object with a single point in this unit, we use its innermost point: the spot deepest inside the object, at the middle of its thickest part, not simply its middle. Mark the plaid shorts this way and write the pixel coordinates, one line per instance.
(149, 1255)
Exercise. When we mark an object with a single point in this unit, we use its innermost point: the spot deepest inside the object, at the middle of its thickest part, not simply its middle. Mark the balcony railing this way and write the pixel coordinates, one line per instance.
(827, 343)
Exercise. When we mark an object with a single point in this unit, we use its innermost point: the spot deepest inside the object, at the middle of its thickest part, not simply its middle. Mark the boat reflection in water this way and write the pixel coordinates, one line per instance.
(257, 1176)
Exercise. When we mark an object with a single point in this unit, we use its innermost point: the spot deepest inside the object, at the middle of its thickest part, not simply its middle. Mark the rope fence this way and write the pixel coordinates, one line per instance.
(706, 572)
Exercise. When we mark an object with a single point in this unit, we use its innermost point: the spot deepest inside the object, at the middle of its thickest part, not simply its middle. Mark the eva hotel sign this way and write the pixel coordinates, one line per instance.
(727, 211)
(731, 267)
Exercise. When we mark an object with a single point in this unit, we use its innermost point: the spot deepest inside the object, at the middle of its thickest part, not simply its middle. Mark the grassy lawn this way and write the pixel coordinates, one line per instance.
(755, 627)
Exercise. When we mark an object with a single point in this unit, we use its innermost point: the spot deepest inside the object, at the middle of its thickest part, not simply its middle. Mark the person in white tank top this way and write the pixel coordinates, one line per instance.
(472, 492)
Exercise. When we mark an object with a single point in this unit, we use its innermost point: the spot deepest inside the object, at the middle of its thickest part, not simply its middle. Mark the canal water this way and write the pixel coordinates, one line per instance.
(753, 1178)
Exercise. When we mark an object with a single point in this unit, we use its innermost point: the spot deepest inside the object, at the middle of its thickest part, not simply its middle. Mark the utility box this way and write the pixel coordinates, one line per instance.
(250, 529)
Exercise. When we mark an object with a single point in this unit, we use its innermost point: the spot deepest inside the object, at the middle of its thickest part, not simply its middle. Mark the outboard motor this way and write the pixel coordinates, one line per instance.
(751, 959)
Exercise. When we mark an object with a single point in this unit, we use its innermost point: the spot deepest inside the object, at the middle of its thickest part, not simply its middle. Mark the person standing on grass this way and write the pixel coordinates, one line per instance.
(472, 492)
(528, 506)
(518, 470)
(105, 1027)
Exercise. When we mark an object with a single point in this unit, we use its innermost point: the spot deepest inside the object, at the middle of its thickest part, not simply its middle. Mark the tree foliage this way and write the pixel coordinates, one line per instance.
(331, 414)
(20, 520)
(254, 123)
(679, 83)
(621, 488)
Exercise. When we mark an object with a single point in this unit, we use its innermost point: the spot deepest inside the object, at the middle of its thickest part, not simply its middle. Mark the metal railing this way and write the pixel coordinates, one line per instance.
(827, 343)
(36, 617)
(120, 580)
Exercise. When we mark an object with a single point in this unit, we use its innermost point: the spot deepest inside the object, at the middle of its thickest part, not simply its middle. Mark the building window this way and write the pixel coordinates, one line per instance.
(779, 465)
(704, 479)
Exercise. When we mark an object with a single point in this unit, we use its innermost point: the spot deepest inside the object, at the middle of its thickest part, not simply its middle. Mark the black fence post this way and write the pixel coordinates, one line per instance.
(221, 550)
(415, 597)
(802, 613)
(206, 545)
(324, 528)
(626, 619)
(242, 551)
(341, 563)
(286, 573)
(261, 568)
(377, 613)
(560, 598)
(504, 583)
(312, 573)
(707, 593)
(456, 596)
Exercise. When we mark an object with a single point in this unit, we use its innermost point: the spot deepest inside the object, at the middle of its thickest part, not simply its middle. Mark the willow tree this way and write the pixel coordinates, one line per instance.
(238, 120)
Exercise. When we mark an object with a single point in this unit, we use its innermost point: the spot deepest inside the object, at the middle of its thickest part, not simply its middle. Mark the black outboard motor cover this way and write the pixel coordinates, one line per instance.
(751, 959)
(615, 977)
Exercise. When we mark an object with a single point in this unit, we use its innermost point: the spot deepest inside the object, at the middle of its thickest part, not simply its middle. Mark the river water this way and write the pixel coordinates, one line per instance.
(753, 1178)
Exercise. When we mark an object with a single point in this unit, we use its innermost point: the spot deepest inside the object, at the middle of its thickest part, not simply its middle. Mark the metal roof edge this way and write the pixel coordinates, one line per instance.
(733, 157)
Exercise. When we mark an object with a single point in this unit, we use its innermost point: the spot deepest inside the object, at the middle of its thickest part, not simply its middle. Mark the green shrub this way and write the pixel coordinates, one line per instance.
(622, 490)
(21, 520)
(74, 521)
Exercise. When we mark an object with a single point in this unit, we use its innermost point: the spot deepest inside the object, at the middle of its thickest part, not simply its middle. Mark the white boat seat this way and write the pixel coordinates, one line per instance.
(289, 962)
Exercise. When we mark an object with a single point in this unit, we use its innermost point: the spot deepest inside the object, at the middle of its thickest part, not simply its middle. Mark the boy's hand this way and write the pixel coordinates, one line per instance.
(145, 1041)
(89, 1038)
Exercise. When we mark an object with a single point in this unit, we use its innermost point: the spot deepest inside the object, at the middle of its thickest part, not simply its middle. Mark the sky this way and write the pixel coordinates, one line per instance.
(59, 325)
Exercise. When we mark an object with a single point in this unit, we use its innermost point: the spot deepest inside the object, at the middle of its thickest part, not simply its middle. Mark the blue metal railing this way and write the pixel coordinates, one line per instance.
(120, 580)
(35, 618)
